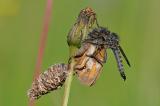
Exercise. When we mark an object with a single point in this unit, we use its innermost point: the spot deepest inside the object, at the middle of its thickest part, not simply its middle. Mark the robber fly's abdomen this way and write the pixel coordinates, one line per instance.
(119, 63)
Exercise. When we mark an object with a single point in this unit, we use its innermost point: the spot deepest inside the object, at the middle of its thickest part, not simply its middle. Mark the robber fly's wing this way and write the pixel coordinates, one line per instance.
(119, 62)
(124, 55)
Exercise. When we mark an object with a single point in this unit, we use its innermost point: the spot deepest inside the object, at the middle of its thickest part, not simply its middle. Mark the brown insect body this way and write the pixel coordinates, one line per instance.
(90, 60)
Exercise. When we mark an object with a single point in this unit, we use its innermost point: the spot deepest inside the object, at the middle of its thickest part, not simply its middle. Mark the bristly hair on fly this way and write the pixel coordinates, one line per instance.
(102, 36)
(53, 78)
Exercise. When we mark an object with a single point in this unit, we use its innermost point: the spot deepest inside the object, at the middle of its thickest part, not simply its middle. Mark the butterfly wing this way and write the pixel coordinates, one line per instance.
(92, 67)
(90, 73)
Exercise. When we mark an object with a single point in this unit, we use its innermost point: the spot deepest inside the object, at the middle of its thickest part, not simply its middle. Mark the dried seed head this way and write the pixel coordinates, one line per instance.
(50, 80)
(84, 22)
(87, 16)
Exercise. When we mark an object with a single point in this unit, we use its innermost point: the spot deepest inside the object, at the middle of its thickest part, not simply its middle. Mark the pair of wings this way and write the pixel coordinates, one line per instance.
(89, 63)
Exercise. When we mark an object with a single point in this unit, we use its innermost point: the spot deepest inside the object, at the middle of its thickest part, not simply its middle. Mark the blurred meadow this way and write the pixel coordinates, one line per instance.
(136, 21)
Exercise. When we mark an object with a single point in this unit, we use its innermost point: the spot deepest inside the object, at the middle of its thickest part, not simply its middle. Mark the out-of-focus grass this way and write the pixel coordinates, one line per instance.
(137, 23)
(9, 7)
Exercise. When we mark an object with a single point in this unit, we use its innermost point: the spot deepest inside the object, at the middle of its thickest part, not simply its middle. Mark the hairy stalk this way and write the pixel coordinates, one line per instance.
(72, 51)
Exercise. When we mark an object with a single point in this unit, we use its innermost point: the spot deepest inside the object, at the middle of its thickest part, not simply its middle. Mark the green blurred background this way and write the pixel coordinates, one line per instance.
(136, 21)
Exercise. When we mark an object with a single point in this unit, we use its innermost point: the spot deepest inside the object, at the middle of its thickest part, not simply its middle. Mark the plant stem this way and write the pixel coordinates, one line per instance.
(72, 51)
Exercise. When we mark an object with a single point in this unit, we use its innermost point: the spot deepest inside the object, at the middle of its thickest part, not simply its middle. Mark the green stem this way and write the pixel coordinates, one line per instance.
(72, 52)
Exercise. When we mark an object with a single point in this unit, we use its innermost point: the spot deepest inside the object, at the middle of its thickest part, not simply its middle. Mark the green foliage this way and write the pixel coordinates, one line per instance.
(136, 22)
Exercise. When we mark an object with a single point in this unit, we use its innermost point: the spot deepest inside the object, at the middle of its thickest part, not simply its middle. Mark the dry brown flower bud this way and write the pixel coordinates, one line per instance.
(53, 78)
(84, 22)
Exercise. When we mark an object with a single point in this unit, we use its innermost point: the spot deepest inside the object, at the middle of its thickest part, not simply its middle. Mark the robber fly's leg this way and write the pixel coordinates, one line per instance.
(92, 42)
(97, 23)
(98, 60)
(119, 62)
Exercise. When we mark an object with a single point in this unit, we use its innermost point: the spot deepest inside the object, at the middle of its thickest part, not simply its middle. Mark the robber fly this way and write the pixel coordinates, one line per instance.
(92, 55)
